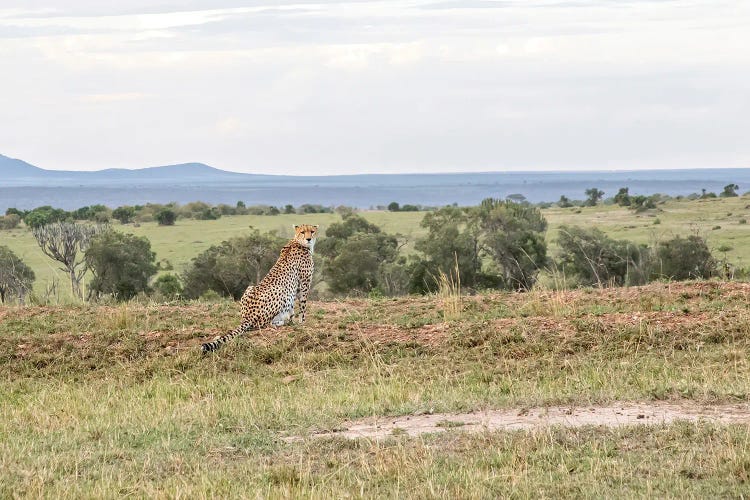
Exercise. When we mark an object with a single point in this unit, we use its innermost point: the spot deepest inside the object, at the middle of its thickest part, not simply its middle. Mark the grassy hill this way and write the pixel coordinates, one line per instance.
(720, 220)
(102, 401)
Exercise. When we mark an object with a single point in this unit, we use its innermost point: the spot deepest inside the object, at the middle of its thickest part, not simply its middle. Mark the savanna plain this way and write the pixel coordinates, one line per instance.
(116, 400)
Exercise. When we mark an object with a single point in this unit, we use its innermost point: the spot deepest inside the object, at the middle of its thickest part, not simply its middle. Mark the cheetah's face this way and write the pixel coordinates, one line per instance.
(305, 235)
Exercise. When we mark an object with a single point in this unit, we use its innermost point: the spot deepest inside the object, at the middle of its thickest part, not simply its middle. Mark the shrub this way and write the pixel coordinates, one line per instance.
(513, 236)
(596, 259)
(730, 191)
(16, 278)
(122, 264)
(358, 258)
(42, 216)
(684, 258)
(458, 239)
(230, 267)
(622, 197)
(593, 196)
(166, 217)
(168, 285)
(564, 202)
(10, 221)
(124, 214)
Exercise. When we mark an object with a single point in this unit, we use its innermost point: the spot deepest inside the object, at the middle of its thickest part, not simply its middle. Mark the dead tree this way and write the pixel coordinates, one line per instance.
(16, 277)
(64, 242)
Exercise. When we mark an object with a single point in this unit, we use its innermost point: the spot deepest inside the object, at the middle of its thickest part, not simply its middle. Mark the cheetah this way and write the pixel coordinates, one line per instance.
(272, 300)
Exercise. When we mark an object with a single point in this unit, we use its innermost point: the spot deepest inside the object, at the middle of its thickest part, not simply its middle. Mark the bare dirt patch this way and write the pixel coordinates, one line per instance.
(615, 415)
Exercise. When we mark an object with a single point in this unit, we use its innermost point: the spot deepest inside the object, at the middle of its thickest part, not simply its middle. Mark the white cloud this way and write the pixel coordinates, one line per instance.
(377, 85)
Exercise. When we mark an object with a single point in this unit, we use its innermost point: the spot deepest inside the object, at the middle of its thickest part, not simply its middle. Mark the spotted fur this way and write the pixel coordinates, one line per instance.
(272, 300)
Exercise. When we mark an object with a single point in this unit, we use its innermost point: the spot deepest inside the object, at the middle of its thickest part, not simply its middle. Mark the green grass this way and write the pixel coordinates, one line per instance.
(101, 401)
(178, 244)
(187, 238)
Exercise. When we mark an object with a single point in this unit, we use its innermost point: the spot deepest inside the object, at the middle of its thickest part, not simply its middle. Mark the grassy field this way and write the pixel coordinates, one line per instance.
(102, 401)
(719, 220)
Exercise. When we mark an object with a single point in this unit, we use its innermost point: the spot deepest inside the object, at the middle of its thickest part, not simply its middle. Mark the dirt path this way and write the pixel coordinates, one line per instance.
(612, 416)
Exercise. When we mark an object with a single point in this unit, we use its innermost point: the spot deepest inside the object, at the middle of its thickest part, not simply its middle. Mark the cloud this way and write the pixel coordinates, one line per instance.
(113, 97)
(376, 85)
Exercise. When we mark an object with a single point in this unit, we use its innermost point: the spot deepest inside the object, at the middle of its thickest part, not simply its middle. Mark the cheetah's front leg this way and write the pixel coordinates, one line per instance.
(303, 288)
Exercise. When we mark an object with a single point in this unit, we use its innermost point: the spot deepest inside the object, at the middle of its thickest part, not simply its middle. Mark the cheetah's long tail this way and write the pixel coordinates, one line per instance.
(245, 326)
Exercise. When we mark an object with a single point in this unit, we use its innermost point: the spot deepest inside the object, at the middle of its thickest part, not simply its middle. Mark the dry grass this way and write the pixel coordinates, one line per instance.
(114, 401)
(449, 293)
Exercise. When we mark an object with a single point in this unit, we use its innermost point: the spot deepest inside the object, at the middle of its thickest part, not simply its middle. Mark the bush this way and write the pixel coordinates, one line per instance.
(166, 217)
(122, 264)
(10, 221)
(124, 214)
(622, 197)
(596, 259)
(16, 278)
(230, 267)
(359, 258)
(593, 196)
(42, 216)
(168, 285)
(458, 242)
(513, 236)
(684, 258)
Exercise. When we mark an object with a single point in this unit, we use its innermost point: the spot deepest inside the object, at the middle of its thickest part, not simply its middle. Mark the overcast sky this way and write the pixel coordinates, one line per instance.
(324, 87)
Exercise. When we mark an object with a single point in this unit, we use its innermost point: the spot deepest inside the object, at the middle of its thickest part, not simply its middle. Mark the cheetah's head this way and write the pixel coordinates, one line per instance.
(305, 235)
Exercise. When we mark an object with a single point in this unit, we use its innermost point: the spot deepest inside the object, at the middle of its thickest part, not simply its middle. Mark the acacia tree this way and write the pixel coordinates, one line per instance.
(16, 277)
(513, 236)
(122, 264)
(63, 242)
(456, 245)
(594, 196)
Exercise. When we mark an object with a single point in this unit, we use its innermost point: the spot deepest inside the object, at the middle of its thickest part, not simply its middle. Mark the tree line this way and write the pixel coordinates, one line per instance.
(163, 214)
(168, 214)
(497, 245)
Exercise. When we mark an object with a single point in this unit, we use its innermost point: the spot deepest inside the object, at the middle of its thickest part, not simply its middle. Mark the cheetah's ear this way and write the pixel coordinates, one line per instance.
(295, 227)
(316, 227)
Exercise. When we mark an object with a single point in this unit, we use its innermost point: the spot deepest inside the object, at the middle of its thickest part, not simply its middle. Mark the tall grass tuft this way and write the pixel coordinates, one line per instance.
(449, 291)
(121, 318)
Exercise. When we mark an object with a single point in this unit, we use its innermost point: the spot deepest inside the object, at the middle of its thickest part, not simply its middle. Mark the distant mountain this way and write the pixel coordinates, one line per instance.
(11, 167)
(15, 172)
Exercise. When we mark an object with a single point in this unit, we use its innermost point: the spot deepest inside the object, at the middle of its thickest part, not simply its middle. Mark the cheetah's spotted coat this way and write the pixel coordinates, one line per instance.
(272, 300)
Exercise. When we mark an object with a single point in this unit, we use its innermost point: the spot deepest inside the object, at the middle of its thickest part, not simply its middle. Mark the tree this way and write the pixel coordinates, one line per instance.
(684, 258)
(62, 241)
(564, 202)
(622, 197)
(289, 209)
(641, 203)
(122, 264)
(166, 217)
(230, 267)
(393, 206)
(94, 213)
(42, 216)
(597, 259)
(730, 191)
(594, 195)
(357, 257)
(168, 285)
(16, 278)
(452, 240)
(124, 214)
(513, 236)
(516, 198)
